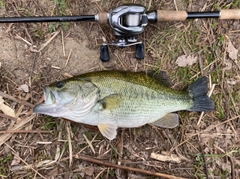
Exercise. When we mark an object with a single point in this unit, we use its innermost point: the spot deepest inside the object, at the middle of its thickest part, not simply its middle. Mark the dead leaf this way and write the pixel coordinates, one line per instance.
(185, 60)
(228, 65)
(16, 160)
(232, 51)
(223, 165)
(153, 54)
(234, 81)
(6, 109)
(166, 158)
(132, 176)
(52, 173)
(24, 87)
(89, 171)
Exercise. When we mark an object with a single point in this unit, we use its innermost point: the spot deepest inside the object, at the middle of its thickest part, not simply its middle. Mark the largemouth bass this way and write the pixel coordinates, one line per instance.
(112, 99)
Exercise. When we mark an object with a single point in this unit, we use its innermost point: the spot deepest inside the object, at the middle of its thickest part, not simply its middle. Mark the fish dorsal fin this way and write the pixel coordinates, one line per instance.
(108, 130)
(170, 120)
(161, 76)
(111, 102)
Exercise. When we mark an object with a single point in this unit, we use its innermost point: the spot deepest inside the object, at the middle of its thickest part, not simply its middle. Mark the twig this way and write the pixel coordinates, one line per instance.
(33, 64)
(43, 143)
(19, 111)
(69, 55)
(8, 117)
(24, 131)
(45, 44)
(98, 175)
(11, 81)
(55, 67)
(165, 157)
(63, 46)
(89, 143)
(108, 164)
(232, 167)
(16, 100)
(175, 4)
(149, 5)
(58, 151)
(69, 143)
(24, 40)
(204, 159)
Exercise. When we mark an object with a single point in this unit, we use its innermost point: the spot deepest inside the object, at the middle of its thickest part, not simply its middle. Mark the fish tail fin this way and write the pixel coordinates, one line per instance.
(198, 91)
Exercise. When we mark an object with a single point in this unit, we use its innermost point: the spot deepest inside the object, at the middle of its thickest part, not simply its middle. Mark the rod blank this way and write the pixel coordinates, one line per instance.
(47, 19)
(211, 14)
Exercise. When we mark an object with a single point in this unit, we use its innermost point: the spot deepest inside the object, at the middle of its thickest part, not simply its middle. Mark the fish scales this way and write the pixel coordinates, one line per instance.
(140, 103)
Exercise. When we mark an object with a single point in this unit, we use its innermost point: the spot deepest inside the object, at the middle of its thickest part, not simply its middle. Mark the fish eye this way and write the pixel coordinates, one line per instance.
(60, 84)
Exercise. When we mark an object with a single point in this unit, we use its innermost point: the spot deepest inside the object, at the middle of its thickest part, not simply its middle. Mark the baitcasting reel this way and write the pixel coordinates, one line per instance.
(127, 21)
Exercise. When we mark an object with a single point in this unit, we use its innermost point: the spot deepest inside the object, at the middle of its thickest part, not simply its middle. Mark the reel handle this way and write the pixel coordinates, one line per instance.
(169, 15)
(230, 14)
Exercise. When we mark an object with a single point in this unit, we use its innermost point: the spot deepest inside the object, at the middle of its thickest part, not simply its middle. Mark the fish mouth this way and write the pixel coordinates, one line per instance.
(49, 96)
(50, 105)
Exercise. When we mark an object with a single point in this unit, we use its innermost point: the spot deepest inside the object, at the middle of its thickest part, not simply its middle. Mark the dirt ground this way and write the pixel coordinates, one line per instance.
(36, 54)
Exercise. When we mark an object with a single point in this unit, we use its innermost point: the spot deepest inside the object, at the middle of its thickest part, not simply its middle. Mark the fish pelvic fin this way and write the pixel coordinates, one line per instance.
(198, 91)
(170, 121)
(108, 130)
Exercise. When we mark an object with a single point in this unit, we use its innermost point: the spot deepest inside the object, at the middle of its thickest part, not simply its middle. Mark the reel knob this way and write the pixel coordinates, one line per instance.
(139, 51)
(104, 53)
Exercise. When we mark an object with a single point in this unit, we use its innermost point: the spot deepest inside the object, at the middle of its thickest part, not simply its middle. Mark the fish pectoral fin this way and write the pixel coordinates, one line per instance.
(110, 102)
(108, 130)
(170, 120)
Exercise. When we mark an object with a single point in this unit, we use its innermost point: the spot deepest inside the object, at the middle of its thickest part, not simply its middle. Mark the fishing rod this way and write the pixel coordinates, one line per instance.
(127, 21)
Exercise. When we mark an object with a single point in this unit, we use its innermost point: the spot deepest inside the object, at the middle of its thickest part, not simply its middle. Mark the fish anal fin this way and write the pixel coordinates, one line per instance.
(108, 130)
(111, 102)
(170, 121)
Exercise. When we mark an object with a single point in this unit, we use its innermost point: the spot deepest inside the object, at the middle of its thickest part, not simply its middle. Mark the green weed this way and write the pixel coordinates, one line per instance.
(235, 3)
(211, 158)
(4, 162)
(90, 134)
(2, 4)
(49, 123)
(61, 8)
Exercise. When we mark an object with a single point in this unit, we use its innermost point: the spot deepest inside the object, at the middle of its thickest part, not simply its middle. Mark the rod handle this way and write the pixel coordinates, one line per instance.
(230, 14)
(169, 15)
(103, 17)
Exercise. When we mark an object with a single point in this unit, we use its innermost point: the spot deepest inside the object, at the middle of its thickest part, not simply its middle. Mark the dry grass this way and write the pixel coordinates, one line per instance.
(37, 146)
